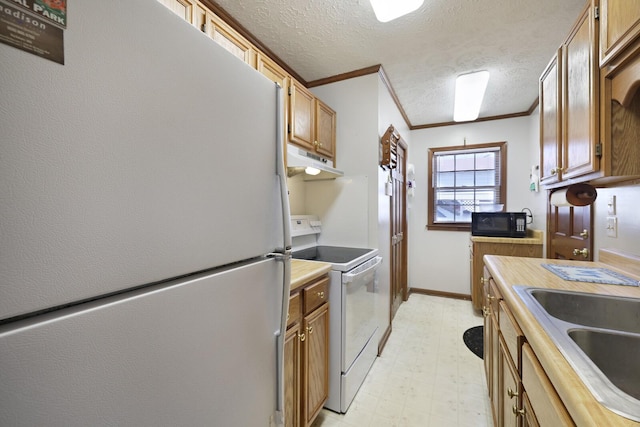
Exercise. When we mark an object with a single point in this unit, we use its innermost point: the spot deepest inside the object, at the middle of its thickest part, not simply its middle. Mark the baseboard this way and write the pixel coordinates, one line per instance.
(439, 294)
(383, 340)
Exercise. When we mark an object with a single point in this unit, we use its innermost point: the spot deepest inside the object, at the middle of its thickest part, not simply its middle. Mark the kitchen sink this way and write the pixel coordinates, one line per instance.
(615, 354)
(598, 311)
(599, 335)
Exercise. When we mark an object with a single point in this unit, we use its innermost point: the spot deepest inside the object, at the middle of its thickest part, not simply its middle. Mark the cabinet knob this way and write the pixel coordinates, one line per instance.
(556, 170)
(584, 252)
(321, 294)
(301, 336)
(310, 329)
(518, 412)
(511, 393)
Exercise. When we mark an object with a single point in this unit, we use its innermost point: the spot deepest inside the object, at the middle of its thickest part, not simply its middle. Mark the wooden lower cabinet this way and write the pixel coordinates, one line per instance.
(528, 417)
(492, 349)
(509, 388)
(545, 402)
(292, 376)
(519, 389)
(306, 353)
(315, 363)
(480, 246)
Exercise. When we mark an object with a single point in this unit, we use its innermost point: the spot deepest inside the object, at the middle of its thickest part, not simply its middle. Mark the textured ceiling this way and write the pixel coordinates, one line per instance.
(421, 53)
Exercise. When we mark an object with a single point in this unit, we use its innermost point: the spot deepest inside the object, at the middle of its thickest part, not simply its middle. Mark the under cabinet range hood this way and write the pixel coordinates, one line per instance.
(300, 161)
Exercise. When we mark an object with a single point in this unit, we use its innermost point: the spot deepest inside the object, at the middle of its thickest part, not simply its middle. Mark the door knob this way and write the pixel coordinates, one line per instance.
(584, 234)
(584, 252)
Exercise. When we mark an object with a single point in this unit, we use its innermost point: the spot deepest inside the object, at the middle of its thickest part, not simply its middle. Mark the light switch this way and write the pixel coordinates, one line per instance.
(612, 226)
(611, 205)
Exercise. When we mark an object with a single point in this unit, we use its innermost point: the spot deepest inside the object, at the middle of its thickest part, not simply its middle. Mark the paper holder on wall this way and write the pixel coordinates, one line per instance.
(574, 195)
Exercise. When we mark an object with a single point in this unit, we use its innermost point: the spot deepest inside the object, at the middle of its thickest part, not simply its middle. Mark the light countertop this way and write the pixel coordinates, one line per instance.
(303, 272)
(510, 271)
(534, 237)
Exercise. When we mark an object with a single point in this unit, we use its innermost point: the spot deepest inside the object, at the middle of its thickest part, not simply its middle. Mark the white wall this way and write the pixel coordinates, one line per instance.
(356, 104)
(627, 213)
(354, 209)
(439, 260)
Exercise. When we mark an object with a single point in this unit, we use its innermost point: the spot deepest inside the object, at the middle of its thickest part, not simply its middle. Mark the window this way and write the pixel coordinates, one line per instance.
(465, 179)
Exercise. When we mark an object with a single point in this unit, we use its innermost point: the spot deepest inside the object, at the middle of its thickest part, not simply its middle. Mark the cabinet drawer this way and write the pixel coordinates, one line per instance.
(295, 309)
(545, 402)
(511, 333)
(315, 294)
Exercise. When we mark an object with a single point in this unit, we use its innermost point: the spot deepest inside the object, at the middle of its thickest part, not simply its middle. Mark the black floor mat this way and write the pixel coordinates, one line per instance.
(473, 338)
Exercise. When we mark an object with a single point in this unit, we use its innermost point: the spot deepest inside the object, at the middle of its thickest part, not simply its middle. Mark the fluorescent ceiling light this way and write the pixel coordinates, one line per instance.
(311, 171)
(469, 93)
(387, 10)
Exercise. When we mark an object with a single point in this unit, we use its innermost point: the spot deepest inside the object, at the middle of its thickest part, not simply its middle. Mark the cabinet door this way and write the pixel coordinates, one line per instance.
(508, 389)
(229, 39)
(550, 128)
(292, 377)
(325, 138)
(301, 116)
(182, 8)
(272, 71)
(580, 99)
(487, 336)
(316, 363)
(528, 417)
(276, 74)
(619, 26)
(545, 402)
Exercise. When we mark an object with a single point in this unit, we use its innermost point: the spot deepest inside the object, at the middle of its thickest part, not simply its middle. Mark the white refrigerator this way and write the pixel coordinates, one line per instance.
(144, 265)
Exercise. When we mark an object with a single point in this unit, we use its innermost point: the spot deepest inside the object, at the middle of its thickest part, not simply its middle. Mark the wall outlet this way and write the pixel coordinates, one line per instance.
(612, 226)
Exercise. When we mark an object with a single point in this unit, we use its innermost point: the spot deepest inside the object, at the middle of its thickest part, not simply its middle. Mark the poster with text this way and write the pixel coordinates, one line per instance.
(53, 10)
(30, 33)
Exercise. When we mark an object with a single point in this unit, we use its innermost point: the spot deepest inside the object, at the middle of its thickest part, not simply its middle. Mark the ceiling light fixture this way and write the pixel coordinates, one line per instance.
(469, 93)
(387, 10)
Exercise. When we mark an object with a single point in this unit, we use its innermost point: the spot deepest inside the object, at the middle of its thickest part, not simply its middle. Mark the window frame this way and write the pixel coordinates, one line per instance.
(462, 226)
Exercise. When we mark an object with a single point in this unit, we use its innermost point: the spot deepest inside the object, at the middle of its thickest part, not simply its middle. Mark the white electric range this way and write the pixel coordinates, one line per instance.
(353, 338)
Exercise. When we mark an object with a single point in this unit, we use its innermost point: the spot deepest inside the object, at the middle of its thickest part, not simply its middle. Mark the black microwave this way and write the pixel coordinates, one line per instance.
(499, 224)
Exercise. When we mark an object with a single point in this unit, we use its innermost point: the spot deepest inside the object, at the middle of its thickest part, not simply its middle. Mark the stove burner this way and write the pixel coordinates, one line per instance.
(330, 254)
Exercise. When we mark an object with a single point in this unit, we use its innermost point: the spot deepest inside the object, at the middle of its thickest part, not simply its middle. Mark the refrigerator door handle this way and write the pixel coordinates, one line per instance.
(284, 255)
(282, 171)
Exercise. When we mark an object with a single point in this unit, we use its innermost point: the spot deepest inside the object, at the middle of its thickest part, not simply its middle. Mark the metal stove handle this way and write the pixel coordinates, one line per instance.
(368, 268)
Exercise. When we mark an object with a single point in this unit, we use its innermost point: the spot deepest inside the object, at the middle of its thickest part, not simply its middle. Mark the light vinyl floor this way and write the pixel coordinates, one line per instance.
(426, 376)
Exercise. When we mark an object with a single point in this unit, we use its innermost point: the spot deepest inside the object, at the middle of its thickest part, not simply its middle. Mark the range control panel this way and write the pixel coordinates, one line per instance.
(302, 225)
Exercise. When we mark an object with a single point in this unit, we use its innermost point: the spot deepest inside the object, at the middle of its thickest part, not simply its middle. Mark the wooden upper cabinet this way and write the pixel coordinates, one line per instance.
(580, 107)
(619, 26)
(272, 71)
(570, 149)
(302, 116)
(620, 119)
(325, 129)
(229, 39)
(550, 121)
(278, 75)
(182, 8)
(312, 124)
(200, 17)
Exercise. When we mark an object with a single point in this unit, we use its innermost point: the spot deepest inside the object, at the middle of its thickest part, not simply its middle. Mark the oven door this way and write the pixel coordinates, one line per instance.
(359, 287)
